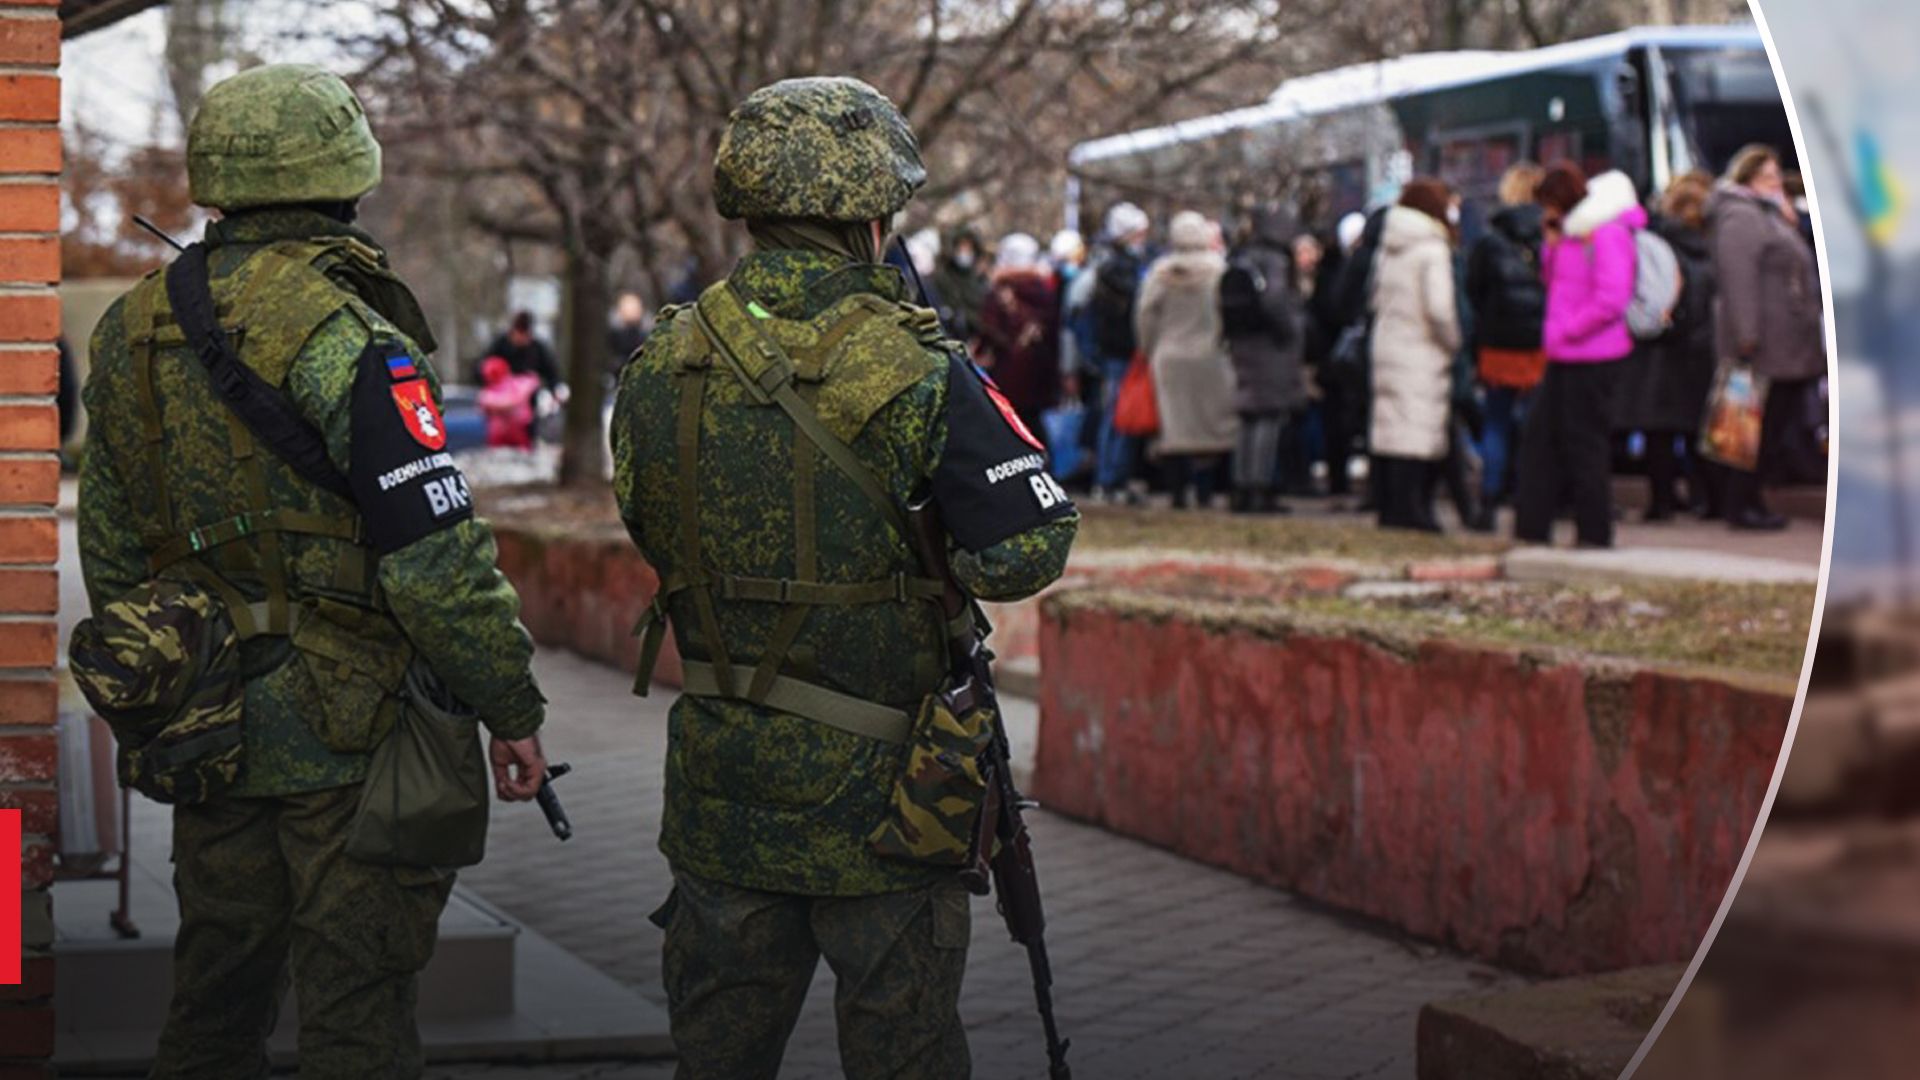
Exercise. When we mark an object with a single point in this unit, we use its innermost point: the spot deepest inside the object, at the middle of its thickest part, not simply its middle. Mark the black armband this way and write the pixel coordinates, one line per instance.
(992, 480)
(404, 481)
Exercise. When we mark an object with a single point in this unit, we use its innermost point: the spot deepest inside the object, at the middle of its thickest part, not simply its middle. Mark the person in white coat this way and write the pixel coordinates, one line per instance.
(1178, 327)
(1416, 333)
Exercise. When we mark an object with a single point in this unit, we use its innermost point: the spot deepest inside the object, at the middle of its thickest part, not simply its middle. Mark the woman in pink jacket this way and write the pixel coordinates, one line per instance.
(1588, 264)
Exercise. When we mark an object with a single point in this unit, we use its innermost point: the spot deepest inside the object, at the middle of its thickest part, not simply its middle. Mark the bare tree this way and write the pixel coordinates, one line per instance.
(590, 125)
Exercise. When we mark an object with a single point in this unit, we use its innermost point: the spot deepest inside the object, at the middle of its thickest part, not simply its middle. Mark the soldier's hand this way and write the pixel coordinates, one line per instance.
(518, 767)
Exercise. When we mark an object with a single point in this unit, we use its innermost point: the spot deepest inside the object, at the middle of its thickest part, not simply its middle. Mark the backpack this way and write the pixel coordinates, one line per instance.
(1115, 283)
(1656, 286)
(1241, 288)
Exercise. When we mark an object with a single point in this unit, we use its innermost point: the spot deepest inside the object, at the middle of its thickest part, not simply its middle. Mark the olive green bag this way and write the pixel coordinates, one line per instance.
(424, 802)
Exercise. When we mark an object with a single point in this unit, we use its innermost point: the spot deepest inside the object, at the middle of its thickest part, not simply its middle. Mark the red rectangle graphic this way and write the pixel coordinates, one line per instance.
(10, 900)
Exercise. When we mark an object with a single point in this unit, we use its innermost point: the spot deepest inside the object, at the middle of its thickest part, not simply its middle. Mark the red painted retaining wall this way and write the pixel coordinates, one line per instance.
(1546, 815)
(584, 593)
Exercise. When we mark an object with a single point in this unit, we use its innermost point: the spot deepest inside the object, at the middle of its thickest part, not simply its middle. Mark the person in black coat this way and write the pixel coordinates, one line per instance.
(1347, 395)
(1665, 383)
(1508, 299)
(523, 352)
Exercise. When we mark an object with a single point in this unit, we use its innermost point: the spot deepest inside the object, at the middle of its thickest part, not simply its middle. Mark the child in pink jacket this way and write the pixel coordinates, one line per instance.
(1589, 267)
(507, 401)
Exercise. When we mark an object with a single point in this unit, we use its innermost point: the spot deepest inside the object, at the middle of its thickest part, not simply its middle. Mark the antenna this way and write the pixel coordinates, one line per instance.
(159, 232)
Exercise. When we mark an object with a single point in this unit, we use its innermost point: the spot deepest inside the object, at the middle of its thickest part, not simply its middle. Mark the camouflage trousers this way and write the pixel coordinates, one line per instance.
(737, 963)
(265, 881)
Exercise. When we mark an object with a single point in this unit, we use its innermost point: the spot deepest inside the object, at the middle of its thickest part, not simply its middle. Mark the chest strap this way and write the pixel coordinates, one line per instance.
(767, 375)
(241, 526)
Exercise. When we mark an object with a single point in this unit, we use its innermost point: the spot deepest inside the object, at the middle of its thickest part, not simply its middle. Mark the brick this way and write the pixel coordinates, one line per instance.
(29, 592)
(29, 701)
(1455, 570)
(39, 808)
(29, 3)
(30, 318)
(31, 481)
(30, 98)
(29, 427)
(29, 371)
(36, 982)
(30, 151)
(29, 208)
(29, 540)
(30, 259)
(28, 644)
(29, 41)
(36, 872)
(28, 757)
(27, 1033)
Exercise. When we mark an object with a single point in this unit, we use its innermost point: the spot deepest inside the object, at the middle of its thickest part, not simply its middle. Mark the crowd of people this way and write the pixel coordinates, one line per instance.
(1581, 329)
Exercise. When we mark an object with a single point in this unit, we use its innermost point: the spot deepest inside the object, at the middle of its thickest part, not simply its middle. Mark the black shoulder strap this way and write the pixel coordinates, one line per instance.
(265, 411)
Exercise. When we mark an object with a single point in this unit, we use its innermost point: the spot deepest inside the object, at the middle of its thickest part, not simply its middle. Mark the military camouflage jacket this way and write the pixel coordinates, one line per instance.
(760, 798)
(307, 302)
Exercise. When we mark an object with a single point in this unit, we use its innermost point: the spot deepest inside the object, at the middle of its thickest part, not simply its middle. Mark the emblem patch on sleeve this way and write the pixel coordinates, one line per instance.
(414, 399)
(406, 484)
(1012, 418)
(992, 480)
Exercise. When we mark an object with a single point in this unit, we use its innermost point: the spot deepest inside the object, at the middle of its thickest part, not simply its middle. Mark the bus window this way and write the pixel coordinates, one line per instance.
(1726, 98)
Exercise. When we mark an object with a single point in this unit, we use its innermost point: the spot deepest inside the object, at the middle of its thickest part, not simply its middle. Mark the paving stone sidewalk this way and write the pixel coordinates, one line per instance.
(1164, 968)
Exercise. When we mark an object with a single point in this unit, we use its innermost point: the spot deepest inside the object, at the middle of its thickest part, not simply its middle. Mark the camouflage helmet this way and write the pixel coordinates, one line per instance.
(282, 133)
(827, 148)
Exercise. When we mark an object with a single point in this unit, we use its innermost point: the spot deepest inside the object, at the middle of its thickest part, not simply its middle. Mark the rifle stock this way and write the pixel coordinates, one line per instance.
(1001, 849)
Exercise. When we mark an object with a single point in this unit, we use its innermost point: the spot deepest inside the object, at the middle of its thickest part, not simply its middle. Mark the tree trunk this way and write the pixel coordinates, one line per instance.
(583, 446)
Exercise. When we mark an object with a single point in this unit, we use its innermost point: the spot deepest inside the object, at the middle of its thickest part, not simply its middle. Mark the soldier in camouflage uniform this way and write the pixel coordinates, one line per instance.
(809, 633)
(338, 602)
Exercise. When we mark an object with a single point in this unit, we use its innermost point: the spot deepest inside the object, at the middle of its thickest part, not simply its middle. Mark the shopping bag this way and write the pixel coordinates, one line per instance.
(1136, 411)
(1730, 434)
(1061, 428)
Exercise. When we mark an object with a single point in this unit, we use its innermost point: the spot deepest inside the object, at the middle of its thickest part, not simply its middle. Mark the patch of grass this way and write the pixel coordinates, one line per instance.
(1112, 528)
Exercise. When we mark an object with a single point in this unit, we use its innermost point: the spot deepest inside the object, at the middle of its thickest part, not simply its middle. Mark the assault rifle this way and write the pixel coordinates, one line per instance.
(1000, 860)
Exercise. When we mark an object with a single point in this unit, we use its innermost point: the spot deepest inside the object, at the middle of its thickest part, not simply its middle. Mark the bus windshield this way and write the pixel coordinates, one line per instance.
(1725, 99)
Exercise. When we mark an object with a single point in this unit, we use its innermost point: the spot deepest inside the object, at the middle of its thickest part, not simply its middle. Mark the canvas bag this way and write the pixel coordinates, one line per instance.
(424, 801)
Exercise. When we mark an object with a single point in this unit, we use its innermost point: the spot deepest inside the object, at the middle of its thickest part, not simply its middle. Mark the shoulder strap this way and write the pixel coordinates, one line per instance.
(265, 411)
(768, 377)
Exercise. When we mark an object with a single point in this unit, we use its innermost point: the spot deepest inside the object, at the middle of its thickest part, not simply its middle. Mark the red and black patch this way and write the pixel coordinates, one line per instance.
(992, 480)
(1012, 418)
(418, 410)
(404, 481)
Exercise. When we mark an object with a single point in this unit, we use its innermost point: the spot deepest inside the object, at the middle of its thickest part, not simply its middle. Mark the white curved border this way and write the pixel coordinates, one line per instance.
(1826, 547)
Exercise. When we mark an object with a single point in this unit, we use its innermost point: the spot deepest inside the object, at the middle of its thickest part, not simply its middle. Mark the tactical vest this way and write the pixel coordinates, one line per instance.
(739, 366)
(288, 558)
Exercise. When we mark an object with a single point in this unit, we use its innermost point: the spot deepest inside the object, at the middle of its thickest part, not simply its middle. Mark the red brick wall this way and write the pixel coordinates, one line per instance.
(29, 486)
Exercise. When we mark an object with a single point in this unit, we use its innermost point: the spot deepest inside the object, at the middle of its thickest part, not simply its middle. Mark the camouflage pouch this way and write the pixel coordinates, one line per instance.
(358, 660)
(937, 799)
(161, 665)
